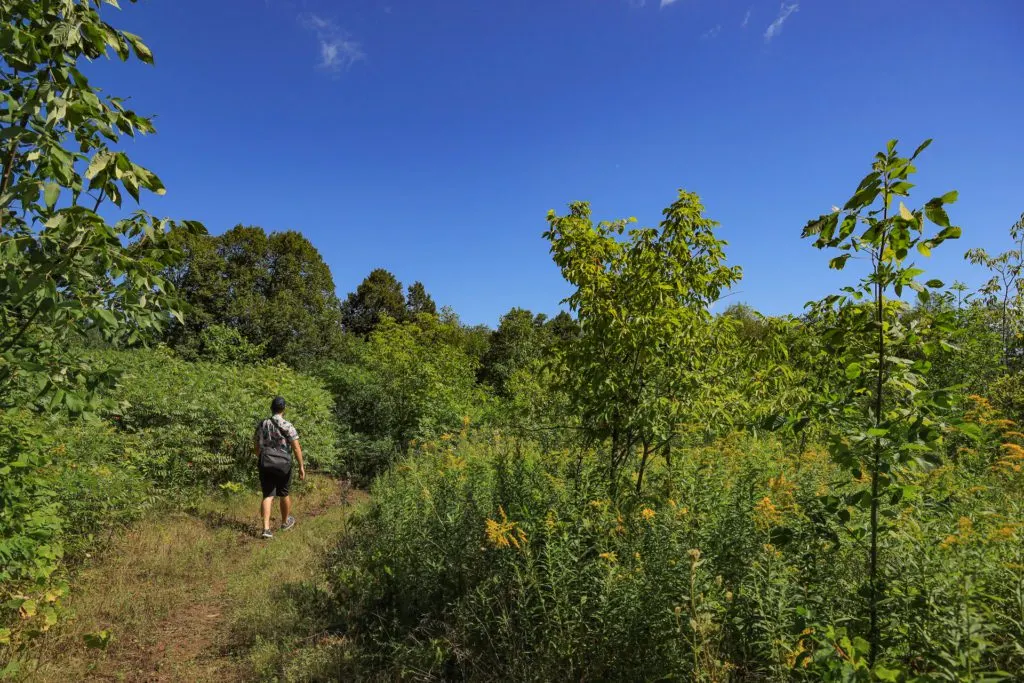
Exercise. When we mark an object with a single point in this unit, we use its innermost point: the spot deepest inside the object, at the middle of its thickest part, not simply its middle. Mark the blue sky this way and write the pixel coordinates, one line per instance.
(431, 138)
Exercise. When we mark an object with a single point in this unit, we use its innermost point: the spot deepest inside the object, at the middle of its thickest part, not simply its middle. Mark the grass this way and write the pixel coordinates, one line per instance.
(196, 596)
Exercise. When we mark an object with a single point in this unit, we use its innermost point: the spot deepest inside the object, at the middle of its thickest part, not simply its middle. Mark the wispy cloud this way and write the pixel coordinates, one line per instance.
(338, 52)
(712, 33)
(746, 19)
(775, 28)
(666, 3)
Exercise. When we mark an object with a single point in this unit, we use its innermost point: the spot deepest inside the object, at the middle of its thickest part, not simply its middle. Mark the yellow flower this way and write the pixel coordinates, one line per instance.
(647, 514)
(504, 533)
(766, 515)
(1005, 533)
(611, 557)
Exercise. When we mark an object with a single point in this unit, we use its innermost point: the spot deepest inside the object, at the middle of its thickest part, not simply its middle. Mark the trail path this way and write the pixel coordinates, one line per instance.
(185, 596)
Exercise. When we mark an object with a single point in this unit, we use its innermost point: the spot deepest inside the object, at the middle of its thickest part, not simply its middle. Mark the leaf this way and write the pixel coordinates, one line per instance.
(884, 674)
(924, 249)
(950, 197)
(936, 214)
(27, 609)
(920, 148)
(839, 262)
(141, 50)
(98, 640)
(905, 213)
(853, 370)
(51, 192)
(972, 430)
(106, 316)
(934, 284)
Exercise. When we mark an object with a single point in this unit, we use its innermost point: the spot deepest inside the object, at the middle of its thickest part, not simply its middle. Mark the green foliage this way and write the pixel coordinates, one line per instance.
(418, 301)
(198, 419)
(516, 344)
(887, 417)
(406, 381)
(1003, 291)
(30, 520)
(642, 305)
(66, 270)
(489, 558)
(222, 344)
(275, 290)
(379, 295)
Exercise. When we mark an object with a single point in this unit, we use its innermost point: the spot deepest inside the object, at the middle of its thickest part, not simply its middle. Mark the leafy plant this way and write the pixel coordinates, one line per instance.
(888, 417)
(66, 270)
(642, 304)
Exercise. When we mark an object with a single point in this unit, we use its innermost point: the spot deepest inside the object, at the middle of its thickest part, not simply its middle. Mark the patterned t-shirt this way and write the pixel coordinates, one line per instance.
(277, 438)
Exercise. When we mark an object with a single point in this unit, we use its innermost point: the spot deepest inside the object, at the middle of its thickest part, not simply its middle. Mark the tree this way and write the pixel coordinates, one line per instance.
(562, 327)
(515, 344)
(275, 290)
(405, 381)
(1004, 289)
(67, 271)
(888, 417)
(378, 295)
(418, 301)
(642, 305)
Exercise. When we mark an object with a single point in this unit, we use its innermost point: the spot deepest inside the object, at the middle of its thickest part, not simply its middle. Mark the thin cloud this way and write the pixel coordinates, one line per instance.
(775, 28)
(338, 52)
(666, 3)
(713, 33)
(746, 19)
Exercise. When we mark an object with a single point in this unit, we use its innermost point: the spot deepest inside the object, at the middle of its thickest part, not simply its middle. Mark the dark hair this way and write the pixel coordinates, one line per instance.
(277, 405)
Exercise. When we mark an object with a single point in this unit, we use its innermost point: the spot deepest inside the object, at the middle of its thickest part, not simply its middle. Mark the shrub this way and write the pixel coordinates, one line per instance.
(482, 558)
(407, 381)
(197, 420)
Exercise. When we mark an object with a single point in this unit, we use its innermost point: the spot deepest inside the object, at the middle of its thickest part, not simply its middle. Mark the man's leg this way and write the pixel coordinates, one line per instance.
(265, 509)
(286, 508)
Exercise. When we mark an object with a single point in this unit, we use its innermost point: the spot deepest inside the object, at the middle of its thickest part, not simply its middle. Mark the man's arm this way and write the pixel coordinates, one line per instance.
(298, 454)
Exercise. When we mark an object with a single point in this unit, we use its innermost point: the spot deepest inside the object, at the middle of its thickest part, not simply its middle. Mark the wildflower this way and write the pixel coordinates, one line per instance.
(1005, 533)
(549, 521)
(446, 437)
(636, 556)
(647, 514)
(671, 503)
(694, 554)
(504, 533)
(728, 596)
(610, 557)
(766, 515)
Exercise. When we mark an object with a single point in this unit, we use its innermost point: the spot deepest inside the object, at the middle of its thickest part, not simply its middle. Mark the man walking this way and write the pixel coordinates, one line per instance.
(276, 438)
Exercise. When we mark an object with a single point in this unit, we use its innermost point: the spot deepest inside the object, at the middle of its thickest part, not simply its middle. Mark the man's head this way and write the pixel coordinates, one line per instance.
(277, 405)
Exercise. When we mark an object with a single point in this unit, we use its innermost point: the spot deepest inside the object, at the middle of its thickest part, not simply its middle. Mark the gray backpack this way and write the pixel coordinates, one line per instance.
(275, 459)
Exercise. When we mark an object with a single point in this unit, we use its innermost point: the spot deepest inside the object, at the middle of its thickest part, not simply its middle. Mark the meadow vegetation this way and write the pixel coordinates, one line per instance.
(636, 488)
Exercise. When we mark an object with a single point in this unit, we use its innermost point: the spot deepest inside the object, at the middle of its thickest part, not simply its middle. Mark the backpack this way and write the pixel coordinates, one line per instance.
(274, 459)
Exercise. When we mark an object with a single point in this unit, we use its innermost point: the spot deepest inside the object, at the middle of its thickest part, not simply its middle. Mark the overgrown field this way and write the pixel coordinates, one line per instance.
(642, 487)
(491, 559)
(173, 430)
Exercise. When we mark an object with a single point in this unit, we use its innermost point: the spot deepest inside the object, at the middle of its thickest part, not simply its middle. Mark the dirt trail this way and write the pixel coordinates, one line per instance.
(182, 595)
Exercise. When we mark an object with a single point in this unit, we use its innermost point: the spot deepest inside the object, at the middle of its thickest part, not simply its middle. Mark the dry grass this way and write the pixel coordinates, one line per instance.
(197, 597)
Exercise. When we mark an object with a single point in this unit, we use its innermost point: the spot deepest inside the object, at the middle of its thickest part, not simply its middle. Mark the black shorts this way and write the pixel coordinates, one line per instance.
(275, 483)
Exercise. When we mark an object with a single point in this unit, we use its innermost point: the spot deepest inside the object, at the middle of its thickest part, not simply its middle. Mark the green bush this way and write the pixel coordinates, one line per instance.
(196, 420)
(490, 559)
(407, 381)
